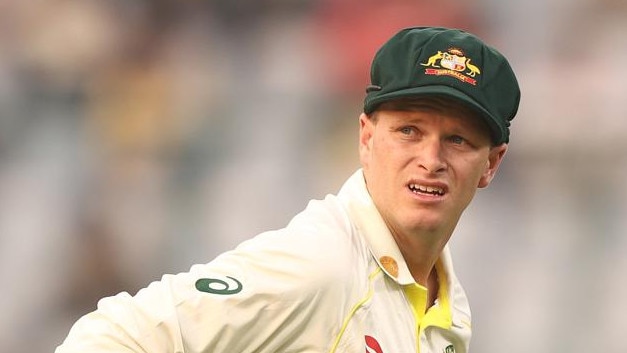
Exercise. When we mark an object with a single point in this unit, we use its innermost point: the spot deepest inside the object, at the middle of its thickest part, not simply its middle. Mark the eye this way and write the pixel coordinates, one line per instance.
(458, 140)
(406, 130)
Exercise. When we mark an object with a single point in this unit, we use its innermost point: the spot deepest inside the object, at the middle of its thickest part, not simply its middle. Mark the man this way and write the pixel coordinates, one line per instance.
(368, 268)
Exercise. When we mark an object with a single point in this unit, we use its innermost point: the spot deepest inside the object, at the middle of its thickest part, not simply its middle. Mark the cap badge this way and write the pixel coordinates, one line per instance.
(454, 63)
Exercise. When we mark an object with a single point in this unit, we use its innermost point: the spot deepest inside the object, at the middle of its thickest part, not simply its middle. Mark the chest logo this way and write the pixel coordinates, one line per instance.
(372, 345)
(219, 286)
(453, 63)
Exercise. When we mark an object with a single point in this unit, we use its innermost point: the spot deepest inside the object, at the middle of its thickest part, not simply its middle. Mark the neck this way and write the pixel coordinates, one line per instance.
(421, 251)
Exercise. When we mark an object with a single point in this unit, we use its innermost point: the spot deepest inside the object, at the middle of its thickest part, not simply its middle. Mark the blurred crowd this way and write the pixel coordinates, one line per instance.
(138, 137)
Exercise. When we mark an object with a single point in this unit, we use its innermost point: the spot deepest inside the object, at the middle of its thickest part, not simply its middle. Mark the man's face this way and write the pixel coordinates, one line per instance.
(422, 167)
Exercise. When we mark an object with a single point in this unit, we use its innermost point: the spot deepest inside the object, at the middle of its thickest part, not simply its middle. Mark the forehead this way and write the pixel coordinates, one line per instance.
(441, 105)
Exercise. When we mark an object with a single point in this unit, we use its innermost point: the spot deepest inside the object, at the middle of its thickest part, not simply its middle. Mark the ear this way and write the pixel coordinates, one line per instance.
(366, 131)
(494, 160)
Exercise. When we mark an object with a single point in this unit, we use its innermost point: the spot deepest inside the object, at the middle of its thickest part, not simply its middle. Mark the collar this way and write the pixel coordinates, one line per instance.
(356, 199)
(364, 214)
(370, 224)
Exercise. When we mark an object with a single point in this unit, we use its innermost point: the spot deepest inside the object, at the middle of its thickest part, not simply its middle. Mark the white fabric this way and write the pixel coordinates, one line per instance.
(313, 286)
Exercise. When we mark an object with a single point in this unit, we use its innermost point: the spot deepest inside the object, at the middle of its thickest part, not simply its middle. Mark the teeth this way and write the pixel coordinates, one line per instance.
(427, 189)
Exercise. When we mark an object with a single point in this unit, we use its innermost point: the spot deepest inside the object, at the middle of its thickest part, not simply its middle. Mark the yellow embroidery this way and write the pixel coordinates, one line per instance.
(453, 63)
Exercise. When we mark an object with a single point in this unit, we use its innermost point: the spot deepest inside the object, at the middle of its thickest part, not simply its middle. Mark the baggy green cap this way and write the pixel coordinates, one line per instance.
(427, 61)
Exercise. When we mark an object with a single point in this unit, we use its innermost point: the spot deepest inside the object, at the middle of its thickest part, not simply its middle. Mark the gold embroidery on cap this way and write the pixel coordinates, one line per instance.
(452, 63)
(390, 265)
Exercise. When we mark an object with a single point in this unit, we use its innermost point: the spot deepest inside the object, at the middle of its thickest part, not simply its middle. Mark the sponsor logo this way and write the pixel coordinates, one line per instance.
(219, 286)
(372, 345)
(453, 63)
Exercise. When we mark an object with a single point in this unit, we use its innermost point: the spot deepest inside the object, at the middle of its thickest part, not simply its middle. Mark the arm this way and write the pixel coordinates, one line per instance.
(255, 298)
(146, 322)
(280, 289)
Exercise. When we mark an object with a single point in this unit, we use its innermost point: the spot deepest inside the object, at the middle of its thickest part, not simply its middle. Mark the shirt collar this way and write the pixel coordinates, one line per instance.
(356, 198)
(354, 195)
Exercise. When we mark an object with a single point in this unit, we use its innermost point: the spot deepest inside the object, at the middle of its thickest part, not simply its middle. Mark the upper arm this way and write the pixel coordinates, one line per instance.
(273, 285)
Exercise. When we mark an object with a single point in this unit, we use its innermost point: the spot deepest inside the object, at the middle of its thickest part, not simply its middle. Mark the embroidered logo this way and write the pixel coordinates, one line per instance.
(372, 345)
(390, 265)
(449, 349)
(218, 286)
(454, 63)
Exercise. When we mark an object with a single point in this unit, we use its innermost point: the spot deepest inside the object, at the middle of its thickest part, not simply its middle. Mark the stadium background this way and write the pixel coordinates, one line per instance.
(139, 137)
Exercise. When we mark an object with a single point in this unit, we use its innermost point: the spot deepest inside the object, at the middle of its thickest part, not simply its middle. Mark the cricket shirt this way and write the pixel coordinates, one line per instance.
(333, 280)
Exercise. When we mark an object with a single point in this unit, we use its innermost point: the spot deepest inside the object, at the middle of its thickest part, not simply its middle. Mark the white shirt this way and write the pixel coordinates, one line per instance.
(333, 280)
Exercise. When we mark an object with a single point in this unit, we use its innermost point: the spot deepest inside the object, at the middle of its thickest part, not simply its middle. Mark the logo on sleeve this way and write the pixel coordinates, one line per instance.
(449, 349)
(218, 286)
(453, 63)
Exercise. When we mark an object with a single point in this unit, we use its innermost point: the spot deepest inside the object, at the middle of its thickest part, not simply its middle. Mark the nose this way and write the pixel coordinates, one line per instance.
(431, 156)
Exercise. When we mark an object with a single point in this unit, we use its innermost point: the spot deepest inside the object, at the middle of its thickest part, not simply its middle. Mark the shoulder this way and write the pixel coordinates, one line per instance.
(320, 243)
(319, 251)
(316, 261)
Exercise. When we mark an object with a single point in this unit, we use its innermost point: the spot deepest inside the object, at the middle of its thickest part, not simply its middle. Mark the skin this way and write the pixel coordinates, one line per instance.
(433, 146)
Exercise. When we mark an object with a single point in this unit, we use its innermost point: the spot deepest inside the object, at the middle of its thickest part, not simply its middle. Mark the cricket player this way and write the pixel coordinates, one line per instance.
(366, 269)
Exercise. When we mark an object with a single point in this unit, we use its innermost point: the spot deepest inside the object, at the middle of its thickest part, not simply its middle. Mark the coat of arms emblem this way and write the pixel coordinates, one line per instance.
(454, 63)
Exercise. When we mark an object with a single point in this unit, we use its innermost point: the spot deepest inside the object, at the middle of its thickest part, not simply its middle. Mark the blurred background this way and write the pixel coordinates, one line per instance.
(138, 137)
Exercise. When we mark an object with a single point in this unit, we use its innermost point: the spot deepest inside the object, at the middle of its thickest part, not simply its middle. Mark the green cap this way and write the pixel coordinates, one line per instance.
(428, 61)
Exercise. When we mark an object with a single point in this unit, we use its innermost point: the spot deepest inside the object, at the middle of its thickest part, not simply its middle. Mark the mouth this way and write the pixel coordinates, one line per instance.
(429, 190)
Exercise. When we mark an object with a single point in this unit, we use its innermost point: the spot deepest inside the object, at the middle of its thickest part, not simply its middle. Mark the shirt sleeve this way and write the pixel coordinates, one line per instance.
(257, 297)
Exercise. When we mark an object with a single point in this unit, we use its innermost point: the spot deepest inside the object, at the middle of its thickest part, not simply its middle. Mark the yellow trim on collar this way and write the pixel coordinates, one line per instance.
(440, 314)
(417, 296)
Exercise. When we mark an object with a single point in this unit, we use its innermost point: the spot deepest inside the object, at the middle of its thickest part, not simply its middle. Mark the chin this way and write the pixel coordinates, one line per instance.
(422, 224)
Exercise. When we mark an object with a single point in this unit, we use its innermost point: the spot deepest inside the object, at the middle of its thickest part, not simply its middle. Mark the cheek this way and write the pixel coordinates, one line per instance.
(476, 171)
(364, 157)
(389, 151)
(371, 152)
(471, 171)
(366, 153)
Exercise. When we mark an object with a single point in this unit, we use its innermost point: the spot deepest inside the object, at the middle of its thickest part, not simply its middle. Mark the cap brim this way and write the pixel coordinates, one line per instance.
(438, 90)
